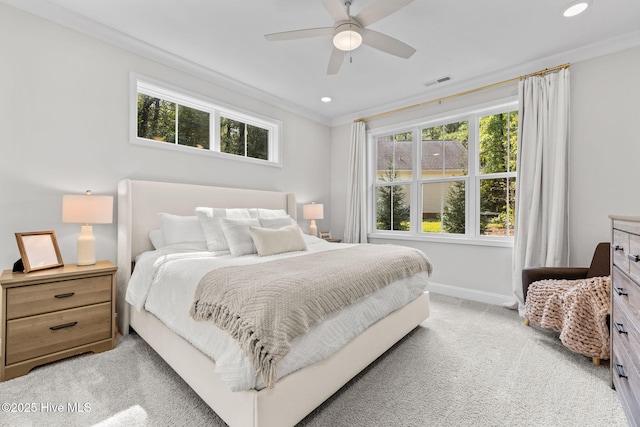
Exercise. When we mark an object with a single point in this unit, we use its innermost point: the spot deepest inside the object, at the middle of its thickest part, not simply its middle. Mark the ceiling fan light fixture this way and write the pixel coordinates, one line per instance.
(349, 32)
(347, 36)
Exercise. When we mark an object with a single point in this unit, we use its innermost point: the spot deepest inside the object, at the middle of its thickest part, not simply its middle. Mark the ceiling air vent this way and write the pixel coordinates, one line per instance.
(437, 81)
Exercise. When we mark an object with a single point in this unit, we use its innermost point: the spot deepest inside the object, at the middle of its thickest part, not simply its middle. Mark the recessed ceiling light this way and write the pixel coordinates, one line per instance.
(325, 99)
(575, 8)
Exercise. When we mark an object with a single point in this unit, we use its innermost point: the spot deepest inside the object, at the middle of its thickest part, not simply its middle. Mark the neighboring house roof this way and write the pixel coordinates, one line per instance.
(434, 153)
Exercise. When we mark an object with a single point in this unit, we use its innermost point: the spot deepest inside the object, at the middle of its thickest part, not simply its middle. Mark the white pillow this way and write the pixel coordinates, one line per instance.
(180, 229)
(277, 222)
(271, 213)
(270, 242)
(210, 222)
(236, 232)
(156, 238)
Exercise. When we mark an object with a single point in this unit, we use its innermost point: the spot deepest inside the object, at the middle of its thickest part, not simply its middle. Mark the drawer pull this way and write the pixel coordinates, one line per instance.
(618, 248)
(67, 295)
(619, 371)
(620, 291)
(66, 325)
(634, 258)
(620, 328)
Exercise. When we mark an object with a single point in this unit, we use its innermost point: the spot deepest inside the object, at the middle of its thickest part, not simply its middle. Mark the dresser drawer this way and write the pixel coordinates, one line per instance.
(620, 249)
(625, 335)
(627, 383)
(48, 297)
(626, 293)
(35, 336)
(634, 256)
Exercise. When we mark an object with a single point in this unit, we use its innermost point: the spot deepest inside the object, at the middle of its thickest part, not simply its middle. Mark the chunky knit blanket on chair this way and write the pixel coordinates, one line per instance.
(577, 309)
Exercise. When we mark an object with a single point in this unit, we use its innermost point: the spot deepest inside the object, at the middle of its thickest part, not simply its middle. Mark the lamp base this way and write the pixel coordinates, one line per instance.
(313, 230)
(86, 246)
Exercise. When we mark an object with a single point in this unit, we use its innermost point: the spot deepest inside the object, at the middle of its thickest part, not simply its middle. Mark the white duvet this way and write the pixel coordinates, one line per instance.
(164, 282)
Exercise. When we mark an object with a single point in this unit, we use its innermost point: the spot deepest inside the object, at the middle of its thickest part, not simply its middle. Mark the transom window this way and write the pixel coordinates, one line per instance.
(452, 177)
(166, 117)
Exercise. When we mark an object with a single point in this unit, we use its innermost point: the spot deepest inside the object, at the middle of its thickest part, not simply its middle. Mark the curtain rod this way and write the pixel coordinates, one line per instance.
(467, 92)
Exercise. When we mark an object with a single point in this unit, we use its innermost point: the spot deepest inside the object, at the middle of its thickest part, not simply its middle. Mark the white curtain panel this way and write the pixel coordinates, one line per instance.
(355, 228)
(542, 187)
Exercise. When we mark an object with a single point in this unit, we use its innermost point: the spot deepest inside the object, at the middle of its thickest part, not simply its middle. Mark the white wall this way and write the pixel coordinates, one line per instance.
(605, 147)
(64, 115)
(604, 156)
(64, 105)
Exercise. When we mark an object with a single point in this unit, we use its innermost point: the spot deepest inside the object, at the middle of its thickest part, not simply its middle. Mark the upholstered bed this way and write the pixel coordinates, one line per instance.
(294, 395)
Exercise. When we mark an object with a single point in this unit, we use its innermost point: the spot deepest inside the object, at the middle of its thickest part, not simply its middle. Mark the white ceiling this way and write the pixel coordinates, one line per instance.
(475, 42)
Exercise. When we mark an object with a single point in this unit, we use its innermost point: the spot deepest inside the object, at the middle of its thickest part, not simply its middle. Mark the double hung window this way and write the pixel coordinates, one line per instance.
(449, 178)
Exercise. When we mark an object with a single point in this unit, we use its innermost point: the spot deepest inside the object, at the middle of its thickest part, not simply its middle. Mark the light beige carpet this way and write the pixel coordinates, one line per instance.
(469, 364)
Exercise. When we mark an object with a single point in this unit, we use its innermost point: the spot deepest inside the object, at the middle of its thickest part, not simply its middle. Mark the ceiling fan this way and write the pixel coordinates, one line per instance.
(349, 32)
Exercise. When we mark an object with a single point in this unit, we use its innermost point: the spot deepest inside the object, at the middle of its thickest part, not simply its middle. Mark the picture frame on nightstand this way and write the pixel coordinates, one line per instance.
(324, 234)
(39, 250)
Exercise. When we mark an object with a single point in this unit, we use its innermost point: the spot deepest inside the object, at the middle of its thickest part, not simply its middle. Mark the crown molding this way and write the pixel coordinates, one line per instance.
(57, 14)
(66, 18)
(583, 53)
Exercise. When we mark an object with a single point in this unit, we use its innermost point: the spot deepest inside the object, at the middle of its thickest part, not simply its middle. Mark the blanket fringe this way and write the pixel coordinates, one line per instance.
(263, 362)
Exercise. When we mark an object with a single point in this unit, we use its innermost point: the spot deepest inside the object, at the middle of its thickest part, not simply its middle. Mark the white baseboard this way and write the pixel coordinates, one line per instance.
(472, 294)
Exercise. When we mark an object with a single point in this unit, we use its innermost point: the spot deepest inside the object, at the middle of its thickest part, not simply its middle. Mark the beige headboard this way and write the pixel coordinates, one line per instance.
(139, 203)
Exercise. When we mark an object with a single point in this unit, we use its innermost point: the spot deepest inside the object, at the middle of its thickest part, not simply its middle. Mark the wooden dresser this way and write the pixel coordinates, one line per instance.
(51, 314)
(625, 314)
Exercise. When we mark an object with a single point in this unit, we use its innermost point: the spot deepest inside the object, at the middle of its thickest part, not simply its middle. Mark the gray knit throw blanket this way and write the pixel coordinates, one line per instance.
(265, 306)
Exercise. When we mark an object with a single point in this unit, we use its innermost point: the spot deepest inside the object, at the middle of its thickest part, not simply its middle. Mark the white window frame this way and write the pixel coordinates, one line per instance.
(472, 202)
(164, 91)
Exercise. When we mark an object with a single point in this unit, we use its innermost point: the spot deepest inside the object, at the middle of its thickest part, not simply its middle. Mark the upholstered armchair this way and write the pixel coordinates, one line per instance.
(599, 267)
(573, 301)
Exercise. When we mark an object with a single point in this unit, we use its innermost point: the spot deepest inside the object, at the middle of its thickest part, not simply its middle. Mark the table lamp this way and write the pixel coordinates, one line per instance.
(87, 209)
(313, 211)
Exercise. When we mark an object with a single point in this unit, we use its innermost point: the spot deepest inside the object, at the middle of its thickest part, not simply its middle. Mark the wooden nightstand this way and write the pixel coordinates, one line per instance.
(333, 240)
(48, 315)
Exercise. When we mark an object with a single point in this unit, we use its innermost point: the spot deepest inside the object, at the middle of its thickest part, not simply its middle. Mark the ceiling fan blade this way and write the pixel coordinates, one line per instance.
(335, 61)
(386, 44)
(336, 9)
(380, 9)
(300, 34)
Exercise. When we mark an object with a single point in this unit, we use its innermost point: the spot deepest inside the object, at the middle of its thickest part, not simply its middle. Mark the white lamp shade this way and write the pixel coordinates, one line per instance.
(313, 211)
(87, 209)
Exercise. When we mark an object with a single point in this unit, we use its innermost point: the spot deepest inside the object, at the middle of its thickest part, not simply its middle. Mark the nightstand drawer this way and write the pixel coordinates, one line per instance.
(47, 333)
(48, 297)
